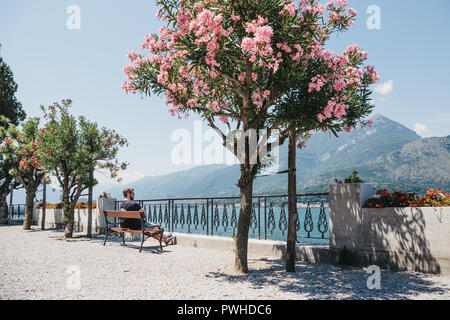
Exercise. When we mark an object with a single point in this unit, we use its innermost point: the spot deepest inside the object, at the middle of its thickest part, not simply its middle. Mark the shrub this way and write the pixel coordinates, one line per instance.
(79, 205)
(386, 199)
(399, 199)
(353, 178)
(433, 198)
(106, 195)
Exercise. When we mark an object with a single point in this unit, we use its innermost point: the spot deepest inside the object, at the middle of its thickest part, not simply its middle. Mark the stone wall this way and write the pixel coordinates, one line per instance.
(346, 203)
(415, 239)
(54, 218)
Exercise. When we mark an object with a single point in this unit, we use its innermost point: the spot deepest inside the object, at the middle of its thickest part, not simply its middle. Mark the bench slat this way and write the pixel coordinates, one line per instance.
(124, 214)
(145, 231)
(119, 229)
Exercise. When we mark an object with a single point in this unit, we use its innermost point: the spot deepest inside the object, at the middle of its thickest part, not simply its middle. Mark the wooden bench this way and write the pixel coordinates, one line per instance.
(114, 227)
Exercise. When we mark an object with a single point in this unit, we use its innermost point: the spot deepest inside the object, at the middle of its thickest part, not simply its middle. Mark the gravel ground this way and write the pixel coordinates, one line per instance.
(38, 264)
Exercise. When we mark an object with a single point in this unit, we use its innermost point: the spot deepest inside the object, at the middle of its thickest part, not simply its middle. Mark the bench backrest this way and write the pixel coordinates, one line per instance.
(124, 214)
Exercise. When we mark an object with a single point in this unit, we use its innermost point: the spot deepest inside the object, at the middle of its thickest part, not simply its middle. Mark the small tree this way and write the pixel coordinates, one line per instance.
(341, 84)
(73, 148)
(20, 147)
(10, 108)
(234, 61)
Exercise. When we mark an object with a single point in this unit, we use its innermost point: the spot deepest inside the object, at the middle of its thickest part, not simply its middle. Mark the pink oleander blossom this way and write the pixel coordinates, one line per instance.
(317, 83)
(7, 141)
(235, 18)
(289, 8)
(132, 55)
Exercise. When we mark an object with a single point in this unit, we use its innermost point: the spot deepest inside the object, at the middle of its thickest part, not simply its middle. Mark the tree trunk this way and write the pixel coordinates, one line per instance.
(4, 218)
(69, 222)
(44, 205)
(29, 207)
(5, 189)
(292, 205)
(10, 209)
(89, 226)
(68, 216)
(246, 188)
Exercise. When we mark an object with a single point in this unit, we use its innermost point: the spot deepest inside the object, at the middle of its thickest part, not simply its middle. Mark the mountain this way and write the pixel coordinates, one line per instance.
(327, 157)
(178, 184)
(388, 155)
(358, 146)
(416, 166)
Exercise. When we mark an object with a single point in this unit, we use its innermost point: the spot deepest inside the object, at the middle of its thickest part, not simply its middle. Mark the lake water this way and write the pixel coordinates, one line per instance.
(262, 224)
(18, 212)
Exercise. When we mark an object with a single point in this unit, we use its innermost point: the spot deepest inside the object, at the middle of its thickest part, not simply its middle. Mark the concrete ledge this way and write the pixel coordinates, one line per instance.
(256, 248)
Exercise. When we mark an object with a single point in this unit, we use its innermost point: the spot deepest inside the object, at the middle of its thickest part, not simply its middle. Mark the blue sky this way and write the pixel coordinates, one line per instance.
(51, 62)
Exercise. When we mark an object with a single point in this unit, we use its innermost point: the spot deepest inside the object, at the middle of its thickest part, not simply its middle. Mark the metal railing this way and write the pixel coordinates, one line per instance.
(17, 212)
(220, 215)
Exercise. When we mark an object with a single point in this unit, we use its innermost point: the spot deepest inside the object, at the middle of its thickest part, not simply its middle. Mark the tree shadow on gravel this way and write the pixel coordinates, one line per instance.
(328, 282)
(99, 239)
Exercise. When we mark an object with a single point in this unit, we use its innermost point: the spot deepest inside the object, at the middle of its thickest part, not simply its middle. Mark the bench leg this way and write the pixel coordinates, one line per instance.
(160, 241)
(106, 237)
(142, 242)
(123, 237)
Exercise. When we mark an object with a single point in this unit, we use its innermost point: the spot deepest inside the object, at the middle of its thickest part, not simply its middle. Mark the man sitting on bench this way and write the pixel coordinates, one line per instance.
(129, 205)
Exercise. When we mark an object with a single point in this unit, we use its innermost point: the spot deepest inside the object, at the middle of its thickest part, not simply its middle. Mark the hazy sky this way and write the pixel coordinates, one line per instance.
(51, 62)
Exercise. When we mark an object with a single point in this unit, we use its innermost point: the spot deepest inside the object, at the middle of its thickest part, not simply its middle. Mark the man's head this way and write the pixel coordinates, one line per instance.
(128, 193)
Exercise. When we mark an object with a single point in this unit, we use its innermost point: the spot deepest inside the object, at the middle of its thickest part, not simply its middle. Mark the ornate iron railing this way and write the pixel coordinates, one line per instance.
(220, 215)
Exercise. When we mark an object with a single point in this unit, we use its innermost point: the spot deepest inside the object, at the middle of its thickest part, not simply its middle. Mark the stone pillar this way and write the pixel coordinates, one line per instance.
(346, 225)
(98, 217)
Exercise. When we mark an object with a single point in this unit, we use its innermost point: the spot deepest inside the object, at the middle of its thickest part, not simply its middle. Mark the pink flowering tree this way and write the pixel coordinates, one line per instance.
(234, 62)
(20, 148)
(71, 149)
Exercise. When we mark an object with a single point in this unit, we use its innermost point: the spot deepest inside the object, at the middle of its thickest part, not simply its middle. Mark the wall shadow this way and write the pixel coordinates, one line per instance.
(403, 239)
(414, 239)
